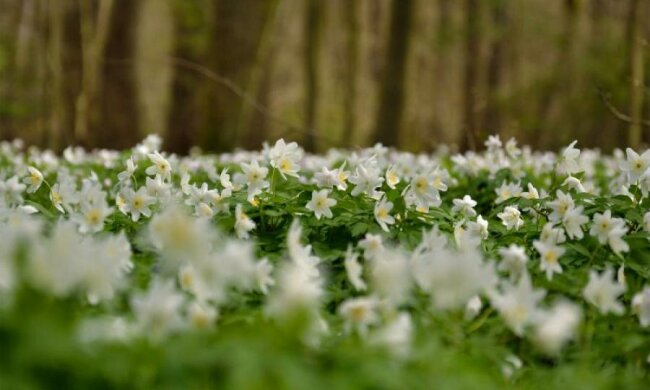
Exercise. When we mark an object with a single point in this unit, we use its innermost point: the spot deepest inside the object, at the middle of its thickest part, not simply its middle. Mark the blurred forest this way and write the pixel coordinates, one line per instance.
(222, 74)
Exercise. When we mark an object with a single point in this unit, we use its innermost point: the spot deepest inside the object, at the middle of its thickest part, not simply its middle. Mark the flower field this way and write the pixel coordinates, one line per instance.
(367, 268)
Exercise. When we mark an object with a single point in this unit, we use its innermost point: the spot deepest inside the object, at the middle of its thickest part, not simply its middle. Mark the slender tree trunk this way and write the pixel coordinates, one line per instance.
(233, 46)
(351, 23)
(499, 16)
(249, 134)
(440, 68)
(471, 77)
(563, 80)
(186, 113)
(94, 34)
(55, 138)
(313, 33)
(391, 106)
(117, 123)
(636, 14)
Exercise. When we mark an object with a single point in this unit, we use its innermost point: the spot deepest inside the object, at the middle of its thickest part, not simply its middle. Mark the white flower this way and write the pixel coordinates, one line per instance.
(511, 218)
(464, 206)
(56, 198)
(391, 276)
(296, 291)
(92, 216)
(610, 230)
(424, 191)
(137, 203)
(507, 191)
(518, 304)
(602, 291)
(392, 178)
(549, 257)
(452, 277)
(557, 326)
(263, 271)
(635, 166)
(160, 166)
(372, 245)
(359, 313)
(332, 178)
(301, 254)
(473, 307)
(243, 224)
(157, 310)
(532, 192)
(552, 235)
(366, 180)
(478, 228)
(34, 180)
(560, 206)
(286, 158)
(382, 216)
(128, 172)
(254, 176)
(201, 315)
(568, 162)
(511, 148)
(513, 260)
(641, 306)
(354, 270)
(574, 183)
(396, 335)
(646, 222)
(12, 190)
(320, 204)
(573, 220)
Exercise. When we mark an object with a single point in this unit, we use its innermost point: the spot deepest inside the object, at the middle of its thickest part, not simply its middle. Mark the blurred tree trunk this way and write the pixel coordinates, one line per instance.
(441, 65)
(500, 20)
(233, 46)
(313, 32)
(57, 120)
(117, 124)
(251, 125)
(64, 76)
(636, 88)
(351, 23)
(562, 82)
(471, 77)
(94, 26)
(186, 113)
(391, 106)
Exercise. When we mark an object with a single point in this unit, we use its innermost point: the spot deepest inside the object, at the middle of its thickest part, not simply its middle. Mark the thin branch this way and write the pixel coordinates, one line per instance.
(232, 87)
(615, 111)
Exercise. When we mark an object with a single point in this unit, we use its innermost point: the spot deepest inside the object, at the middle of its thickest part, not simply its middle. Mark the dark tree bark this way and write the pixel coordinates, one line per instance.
(391, 106)
(185, 112)
(351, 23)
(117, 124)
(471, 76)
(233, 48)
(500, 21)
(313, 32)
(636, 88)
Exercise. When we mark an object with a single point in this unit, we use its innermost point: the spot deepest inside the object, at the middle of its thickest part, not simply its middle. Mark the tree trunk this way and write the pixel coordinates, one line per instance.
(500, 21)
(234, 44)
(471, 78)
(313, 32)
(636, 89)
(251, 125)
(94, 33)
(117, 125)
(391, 106)
(351, 23)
